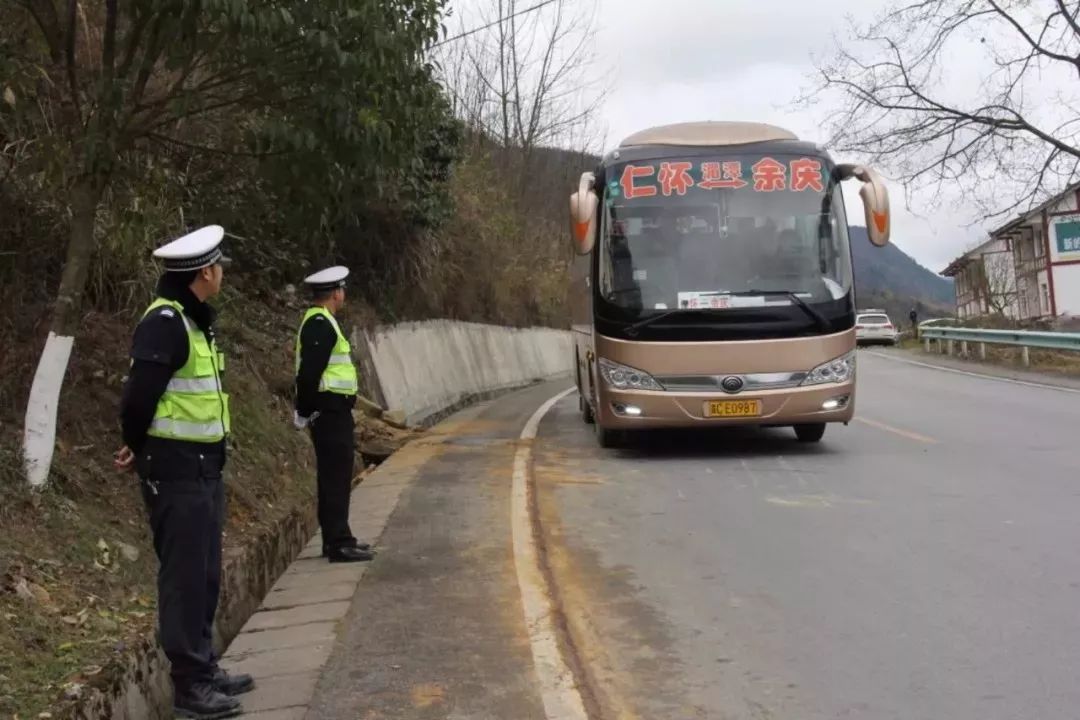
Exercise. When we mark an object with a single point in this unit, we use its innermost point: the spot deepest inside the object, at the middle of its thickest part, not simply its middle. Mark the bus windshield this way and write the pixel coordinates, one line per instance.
(719, 232)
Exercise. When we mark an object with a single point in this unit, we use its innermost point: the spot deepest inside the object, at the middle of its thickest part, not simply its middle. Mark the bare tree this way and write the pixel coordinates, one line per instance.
(994, 283)
(528, 79)
(1007, 137)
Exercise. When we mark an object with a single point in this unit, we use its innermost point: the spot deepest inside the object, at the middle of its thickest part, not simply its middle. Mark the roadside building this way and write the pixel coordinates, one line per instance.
(1028, 269)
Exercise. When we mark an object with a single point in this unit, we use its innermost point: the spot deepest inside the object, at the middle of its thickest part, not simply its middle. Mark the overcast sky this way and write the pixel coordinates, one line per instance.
(682, 60)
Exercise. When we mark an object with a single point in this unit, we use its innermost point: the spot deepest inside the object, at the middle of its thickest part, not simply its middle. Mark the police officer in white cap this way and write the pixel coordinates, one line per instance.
(175, 418)
(326, 389)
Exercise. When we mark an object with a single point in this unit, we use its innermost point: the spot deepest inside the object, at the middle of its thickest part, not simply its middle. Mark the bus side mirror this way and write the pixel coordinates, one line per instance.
(875, 202)
(583, 206)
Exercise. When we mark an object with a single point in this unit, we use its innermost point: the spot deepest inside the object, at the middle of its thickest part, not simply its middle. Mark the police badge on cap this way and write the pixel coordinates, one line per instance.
(328, 279)
(194, 251)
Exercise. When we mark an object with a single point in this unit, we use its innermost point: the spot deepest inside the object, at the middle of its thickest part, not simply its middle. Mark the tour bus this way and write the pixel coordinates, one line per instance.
(712, 283)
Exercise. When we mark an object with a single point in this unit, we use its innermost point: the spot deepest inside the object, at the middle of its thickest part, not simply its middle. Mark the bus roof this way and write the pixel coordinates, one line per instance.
(705, 134)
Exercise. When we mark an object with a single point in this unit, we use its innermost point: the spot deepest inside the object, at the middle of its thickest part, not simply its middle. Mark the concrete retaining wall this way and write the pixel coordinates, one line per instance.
(426, 368)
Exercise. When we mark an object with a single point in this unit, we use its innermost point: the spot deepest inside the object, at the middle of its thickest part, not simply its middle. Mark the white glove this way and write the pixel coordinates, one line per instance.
(302, 422)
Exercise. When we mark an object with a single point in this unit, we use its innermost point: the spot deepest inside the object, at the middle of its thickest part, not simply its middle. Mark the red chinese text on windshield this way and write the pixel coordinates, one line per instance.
(675, 178)
(678, 177)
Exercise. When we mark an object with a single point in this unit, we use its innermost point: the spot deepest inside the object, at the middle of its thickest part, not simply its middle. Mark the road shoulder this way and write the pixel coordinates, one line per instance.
(986, 370)
(289, 639)
(436, 628)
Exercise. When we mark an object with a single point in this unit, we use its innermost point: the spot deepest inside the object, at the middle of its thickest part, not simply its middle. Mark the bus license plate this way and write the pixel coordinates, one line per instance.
(732, 408)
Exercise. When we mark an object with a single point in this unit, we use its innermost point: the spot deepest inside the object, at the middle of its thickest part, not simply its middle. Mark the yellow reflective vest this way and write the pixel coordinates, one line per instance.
(194, 406)
(340, 374)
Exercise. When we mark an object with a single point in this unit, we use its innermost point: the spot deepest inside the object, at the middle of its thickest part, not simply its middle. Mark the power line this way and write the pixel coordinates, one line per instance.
(495, 22)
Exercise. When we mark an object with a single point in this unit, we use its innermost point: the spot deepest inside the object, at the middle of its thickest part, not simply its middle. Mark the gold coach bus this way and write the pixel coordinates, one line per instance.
(712, 283)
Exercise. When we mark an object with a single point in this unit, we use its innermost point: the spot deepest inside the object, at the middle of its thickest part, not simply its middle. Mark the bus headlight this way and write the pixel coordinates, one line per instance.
(838, 370)
(622, 377)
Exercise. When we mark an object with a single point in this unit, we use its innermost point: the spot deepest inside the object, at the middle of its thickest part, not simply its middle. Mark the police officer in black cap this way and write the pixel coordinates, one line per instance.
(175, 419)
(326, 389)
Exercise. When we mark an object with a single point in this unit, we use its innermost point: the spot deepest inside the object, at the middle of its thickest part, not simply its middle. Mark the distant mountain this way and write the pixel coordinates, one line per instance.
(888, 277)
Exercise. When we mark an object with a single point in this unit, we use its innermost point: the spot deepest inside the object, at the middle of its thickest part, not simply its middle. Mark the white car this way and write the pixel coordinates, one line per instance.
(874, 326)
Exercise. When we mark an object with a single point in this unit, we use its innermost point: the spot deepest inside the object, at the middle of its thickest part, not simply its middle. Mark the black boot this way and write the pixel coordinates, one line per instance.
(233, 684)
(200, 701)
(359, 545)
(349, 554)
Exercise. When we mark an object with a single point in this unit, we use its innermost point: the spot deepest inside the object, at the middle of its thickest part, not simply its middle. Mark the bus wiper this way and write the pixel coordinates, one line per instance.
(817, 317)
(632, 330)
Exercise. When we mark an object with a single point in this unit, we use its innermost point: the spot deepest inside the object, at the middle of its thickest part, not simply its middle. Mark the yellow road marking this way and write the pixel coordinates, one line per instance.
(558, 688)
(898, 431)
(824, 501)
(427, 695)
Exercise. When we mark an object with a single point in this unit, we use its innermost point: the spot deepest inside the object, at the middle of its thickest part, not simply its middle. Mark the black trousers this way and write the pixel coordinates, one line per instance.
(184, 493)
(334, 438)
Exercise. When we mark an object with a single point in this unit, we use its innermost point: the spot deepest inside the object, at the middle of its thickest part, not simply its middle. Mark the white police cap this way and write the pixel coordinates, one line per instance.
(328, 279)
(194, 251)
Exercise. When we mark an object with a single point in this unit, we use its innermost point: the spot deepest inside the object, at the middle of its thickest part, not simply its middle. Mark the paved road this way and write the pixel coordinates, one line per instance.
(920, 563)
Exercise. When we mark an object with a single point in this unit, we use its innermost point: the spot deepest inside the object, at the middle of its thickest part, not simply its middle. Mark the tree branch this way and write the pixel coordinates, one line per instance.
(167, 140)
(1030, 40)
(1069, 18)
(69, 54)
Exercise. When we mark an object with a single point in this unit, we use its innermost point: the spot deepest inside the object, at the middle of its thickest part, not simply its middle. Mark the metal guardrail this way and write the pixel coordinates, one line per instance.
(947, 337)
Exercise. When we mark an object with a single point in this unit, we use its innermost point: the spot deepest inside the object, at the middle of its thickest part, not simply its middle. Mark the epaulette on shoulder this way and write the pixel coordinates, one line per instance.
(165, 313)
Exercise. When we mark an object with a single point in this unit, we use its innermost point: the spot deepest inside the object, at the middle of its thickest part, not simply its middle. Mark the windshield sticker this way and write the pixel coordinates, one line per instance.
(678, 177)
(700, 299)
(718, 300)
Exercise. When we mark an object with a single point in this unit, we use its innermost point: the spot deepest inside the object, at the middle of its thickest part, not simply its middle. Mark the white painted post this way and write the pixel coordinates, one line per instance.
(1025, 356)
(951, 347)
(39, 439)
(982, 351)
(926, 345)
(964, 348)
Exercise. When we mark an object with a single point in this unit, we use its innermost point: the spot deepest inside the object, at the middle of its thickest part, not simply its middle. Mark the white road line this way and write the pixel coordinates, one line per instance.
(942, 368)
(558, 688)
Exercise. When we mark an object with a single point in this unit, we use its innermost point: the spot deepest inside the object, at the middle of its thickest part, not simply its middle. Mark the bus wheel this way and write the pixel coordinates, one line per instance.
(585, 408)
(810, 433)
